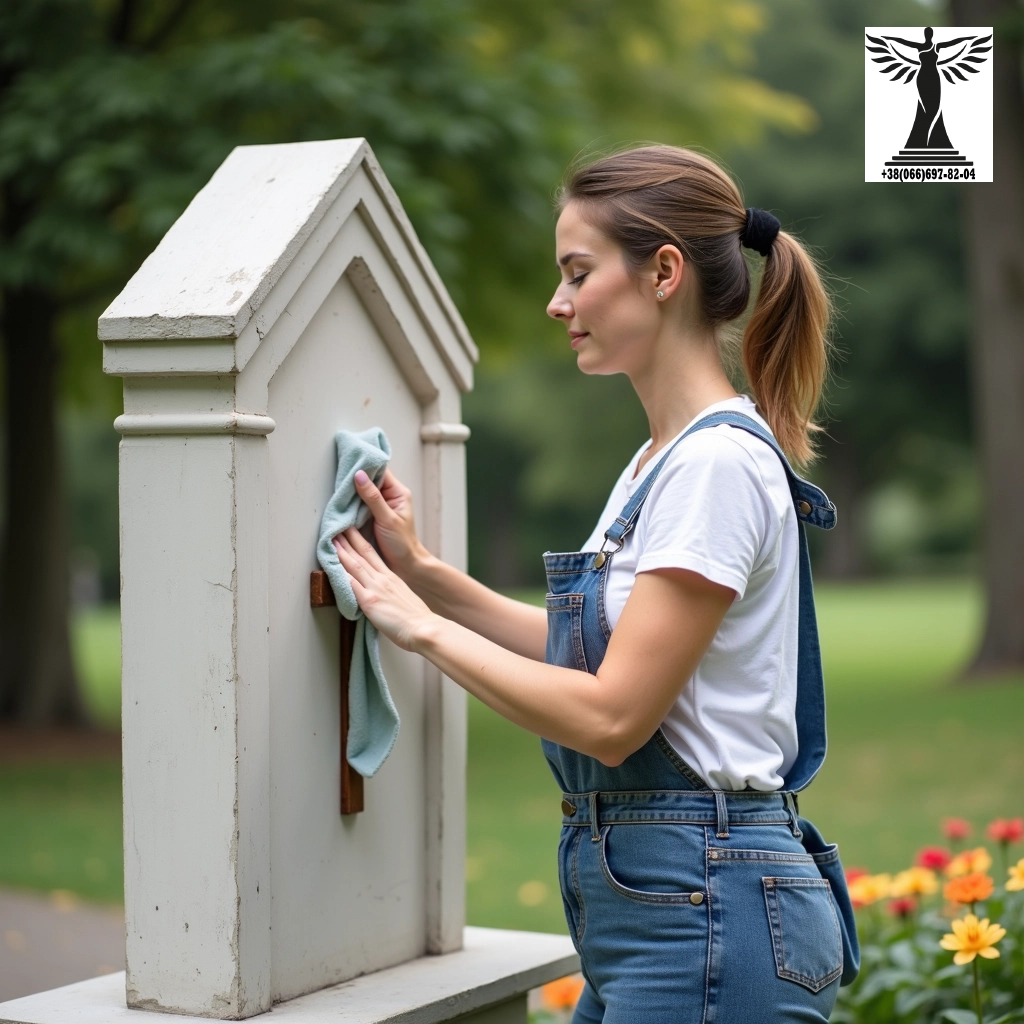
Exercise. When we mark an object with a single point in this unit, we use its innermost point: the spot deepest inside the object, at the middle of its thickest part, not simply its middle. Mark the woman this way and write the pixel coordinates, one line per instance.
(675, 678)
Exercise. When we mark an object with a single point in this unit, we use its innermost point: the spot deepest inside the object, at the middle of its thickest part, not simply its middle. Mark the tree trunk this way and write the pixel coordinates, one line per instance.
(37, 679)
(840, 554)
(994, 232)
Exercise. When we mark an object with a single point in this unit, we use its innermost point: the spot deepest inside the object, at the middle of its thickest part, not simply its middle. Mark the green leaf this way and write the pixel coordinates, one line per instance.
(960, 1016)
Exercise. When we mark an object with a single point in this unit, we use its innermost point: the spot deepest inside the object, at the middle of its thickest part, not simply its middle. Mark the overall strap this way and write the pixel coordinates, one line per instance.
(813, 508)
(811, 503)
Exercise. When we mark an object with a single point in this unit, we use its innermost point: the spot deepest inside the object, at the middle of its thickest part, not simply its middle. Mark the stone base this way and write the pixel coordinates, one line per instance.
(486, 982)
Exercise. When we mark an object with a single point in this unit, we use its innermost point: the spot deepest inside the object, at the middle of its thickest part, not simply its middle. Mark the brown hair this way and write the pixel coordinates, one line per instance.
(649, 196)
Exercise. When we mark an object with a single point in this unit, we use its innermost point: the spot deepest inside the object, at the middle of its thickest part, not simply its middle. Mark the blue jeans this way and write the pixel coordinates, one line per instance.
(686, 914)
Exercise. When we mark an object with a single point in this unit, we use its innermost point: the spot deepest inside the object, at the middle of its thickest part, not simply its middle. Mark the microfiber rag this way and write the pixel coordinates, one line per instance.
(372, 718)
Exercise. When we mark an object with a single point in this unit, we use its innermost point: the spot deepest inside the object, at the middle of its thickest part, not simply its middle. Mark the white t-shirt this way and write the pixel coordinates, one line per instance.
(721, 507)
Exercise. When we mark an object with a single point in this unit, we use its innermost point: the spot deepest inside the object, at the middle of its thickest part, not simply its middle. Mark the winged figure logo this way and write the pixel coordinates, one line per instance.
(909, 60)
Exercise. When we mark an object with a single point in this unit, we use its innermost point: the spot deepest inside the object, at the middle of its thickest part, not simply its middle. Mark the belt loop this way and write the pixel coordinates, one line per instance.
(595, 824)
(794, 814)
(721, 815)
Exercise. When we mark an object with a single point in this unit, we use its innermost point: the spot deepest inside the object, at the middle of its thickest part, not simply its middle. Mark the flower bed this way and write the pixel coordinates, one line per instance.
(954, 900)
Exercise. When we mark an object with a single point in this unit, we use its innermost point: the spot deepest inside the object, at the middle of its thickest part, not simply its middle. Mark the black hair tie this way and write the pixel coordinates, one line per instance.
(760, 230)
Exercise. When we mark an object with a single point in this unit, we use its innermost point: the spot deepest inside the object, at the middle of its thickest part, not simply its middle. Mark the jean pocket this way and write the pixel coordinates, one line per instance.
(644, 864)
(565, 631)
(805, 931)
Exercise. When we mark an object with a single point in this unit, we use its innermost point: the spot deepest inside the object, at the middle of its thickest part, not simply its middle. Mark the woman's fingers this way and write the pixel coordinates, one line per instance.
(363, 548)
(390, 504)
(373, 498)
(355, 552)
(387, 602)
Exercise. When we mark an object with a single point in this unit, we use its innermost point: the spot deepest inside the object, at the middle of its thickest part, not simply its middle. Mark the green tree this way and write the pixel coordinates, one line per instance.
(113, 113)
(108, 127)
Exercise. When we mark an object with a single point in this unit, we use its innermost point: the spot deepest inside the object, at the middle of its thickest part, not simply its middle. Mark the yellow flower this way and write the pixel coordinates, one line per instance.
(868, 889)
(914, 882)
(969, 862)
(971, 937)
(1016, 881)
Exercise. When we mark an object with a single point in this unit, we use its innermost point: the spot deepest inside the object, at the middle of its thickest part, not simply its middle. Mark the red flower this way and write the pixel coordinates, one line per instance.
(852, 874)
(934, 857)
(902, 907)
(1006, 830)
(956, 828)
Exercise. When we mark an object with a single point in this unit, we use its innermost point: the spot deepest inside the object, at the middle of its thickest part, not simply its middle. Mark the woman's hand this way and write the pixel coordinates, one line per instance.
(393, 524)
(384, 598)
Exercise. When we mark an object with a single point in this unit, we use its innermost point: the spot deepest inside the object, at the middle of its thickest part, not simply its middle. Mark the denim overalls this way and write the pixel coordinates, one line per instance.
(689, 905)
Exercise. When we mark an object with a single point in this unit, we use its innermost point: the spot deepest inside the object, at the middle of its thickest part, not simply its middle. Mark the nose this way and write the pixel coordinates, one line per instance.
(560, 307)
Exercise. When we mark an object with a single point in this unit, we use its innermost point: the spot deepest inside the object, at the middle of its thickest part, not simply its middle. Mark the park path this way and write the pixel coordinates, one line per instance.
(54, 940)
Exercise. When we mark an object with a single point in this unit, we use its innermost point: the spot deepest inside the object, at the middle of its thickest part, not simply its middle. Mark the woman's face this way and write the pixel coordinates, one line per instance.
(610, 314)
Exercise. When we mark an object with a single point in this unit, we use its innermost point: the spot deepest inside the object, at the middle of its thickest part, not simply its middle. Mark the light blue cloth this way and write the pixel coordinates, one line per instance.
(372, 718)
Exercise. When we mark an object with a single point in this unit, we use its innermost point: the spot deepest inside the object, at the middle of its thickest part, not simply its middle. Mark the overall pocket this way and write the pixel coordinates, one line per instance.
(649, 864)
(805, 931)
(565, 631)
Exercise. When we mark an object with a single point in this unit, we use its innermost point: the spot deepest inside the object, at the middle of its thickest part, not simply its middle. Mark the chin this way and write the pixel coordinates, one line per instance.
(595, 369)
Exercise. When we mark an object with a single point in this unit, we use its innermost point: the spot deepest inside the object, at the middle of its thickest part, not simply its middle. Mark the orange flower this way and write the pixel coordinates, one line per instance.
(956, 828)
(914, 882)
(969, 862)
(562, 994)
(968, 888)
(1006, 830)
(868, 889)
(971, 937)
(1016, 880)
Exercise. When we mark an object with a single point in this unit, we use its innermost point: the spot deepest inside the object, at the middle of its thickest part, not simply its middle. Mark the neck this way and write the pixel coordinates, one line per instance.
(683, 379)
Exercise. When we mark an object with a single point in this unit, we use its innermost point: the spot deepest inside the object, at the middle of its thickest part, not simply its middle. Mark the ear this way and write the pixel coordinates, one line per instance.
(668, 265)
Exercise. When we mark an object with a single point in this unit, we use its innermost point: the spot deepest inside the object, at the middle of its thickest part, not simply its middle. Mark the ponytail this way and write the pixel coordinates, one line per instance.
(785, 353)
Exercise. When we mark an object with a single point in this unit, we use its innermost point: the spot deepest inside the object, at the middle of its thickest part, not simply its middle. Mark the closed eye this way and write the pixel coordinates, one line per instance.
(578, 280)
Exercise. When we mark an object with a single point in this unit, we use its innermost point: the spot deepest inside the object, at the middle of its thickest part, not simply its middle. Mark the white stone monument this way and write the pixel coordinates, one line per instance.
(290, 300)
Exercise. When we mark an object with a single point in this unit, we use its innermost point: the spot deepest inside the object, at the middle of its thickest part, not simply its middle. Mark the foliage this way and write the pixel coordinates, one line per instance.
(110, 125)
(911, 924)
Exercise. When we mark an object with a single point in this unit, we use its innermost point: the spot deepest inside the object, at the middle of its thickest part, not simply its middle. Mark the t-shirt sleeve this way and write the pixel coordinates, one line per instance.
(708, 511)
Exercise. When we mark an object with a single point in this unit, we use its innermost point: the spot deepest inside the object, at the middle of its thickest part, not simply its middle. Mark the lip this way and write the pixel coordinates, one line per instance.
(577, 336)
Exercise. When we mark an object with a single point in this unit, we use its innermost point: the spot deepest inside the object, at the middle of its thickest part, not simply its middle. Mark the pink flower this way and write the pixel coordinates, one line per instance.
(956, 828)
(1006, 830)
(933, 857)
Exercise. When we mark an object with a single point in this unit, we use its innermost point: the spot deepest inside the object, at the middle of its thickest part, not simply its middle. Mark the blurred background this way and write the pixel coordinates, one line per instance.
(113, 113)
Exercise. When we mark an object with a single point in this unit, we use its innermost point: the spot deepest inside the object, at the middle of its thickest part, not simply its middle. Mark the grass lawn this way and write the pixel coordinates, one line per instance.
(907, 748)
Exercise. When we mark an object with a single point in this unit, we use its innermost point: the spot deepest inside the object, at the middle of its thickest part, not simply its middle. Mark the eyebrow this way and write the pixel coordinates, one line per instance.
(565, 260)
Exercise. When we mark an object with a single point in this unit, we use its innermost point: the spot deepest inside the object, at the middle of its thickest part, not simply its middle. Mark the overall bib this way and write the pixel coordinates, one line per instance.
(690, 905)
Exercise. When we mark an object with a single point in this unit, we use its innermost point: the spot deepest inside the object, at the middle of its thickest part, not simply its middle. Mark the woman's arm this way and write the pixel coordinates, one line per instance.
(514, 625)
(665, 628)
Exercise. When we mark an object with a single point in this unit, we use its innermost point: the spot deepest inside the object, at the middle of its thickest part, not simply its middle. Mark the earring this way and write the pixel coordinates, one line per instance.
(661, 294)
